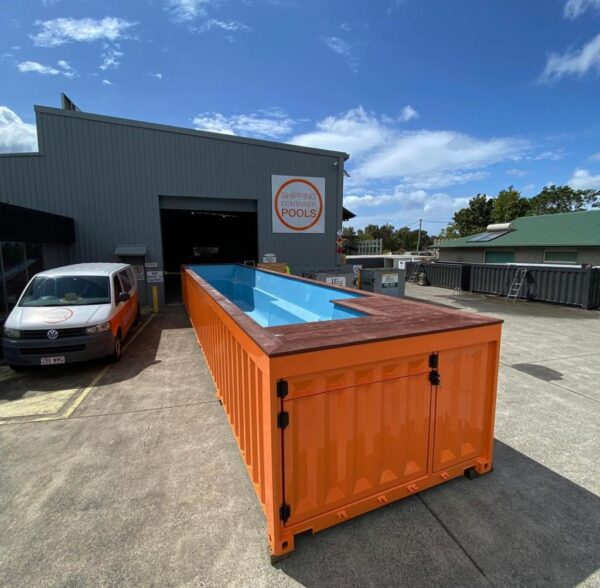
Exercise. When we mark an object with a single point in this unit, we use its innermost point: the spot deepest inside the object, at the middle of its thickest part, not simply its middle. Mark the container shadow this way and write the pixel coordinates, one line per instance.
(521, 525)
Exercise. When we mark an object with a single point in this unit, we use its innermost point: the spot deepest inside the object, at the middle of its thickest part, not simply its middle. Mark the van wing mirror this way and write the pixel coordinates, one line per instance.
(124, 297)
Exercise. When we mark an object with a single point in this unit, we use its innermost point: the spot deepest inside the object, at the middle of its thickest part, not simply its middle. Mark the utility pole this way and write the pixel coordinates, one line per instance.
(419, 236)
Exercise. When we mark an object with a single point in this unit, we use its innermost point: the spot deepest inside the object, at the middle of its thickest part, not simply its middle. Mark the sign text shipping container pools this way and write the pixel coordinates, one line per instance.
(342, 402)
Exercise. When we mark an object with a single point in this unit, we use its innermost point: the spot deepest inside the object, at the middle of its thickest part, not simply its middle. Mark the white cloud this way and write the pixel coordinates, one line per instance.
(574, 63)
(63, 69)
(272, 124)
(111, 58)
(595, 157)
(517, 173)
(186, 10)
(213, 23)
(107, 82)
(381, 151)
(575, 8)
(356, 132)
(158, 76)
(59, 31)
(444, 179)
(408, 113)
(401, 207)
(343, 48)
(16, 135)
(548, 155)
(422, 152)
(582, 179)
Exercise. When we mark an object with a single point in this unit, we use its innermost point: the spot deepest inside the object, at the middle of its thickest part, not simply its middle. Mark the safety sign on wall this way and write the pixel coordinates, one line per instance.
(154, 276)
(389, 280)
(298, 204)
(138, 272)
(336, 280)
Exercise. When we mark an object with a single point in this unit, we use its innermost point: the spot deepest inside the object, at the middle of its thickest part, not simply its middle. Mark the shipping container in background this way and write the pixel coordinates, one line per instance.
(336, 418)
(441, 274)
(576, 286)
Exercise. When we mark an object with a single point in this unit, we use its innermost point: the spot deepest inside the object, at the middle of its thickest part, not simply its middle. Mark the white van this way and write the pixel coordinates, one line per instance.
(72, 313)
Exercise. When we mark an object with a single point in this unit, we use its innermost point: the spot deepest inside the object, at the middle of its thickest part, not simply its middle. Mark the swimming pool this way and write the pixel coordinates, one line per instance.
(274, 300)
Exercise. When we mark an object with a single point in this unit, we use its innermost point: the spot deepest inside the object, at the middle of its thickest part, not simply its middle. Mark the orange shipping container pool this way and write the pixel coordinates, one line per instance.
(342, 401)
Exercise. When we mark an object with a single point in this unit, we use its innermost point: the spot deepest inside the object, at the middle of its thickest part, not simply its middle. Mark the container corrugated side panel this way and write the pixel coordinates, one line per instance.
(238, 380)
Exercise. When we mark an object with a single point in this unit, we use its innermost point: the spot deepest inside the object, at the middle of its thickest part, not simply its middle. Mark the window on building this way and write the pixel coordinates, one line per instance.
(499, 257)
(560, 257)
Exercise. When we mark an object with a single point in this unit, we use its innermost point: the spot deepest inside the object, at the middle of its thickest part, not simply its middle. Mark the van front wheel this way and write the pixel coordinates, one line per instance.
(117, 349)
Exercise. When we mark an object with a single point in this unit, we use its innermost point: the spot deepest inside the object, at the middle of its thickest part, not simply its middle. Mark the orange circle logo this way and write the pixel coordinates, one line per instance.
(298, 209)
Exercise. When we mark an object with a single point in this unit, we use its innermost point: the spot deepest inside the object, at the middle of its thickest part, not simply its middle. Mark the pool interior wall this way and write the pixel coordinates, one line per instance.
(273, 300)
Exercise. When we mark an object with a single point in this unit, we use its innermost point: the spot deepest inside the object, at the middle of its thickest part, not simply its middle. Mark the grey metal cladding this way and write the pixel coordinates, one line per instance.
(111, 175)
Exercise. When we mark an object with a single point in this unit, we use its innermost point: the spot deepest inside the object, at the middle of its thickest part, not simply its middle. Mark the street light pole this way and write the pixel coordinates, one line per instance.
(419, 236)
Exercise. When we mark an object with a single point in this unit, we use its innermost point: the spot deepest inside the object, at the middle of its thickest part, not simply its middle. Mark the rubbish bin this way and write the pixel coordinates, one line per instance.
(383, 281)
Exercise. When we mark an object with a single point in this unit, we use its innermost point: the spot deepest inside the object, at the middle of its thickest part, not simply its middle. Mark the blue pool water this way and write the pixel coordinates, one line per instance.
(273, 300)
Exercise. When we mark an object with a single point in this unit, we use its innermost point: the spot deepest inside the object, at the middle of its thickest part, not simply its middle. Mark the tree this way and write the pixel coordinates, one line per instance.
(554, 199)
(387, 233)
(476, 217)
(509, 205)
(348, 232)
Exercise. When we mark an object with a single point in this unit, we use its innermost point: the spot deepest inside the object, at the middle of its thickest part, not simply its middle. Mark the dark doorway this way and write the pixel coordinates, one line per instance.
(195, 237)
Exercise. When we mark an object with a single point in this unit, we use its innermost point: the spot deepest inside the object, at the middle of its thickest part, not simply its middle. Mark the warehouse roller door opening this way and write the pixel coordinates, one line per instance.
(197, 237)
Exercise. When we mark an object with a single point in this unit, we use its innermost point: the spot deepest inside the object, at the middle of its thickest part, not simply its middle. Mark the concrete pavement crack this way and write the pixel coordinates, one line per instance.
(455, 539)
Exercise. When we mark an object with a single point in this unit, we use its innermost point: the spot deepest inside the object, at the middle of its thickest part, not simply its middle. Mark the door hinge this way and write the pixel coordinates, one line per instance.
(283, 419)
(434, 375)
(282, 388)
(285, 512)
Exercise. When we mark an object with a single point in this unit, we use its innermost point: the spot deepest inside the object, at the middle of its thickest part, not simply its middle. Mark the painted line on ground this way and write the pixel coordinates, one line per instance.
(84, 393)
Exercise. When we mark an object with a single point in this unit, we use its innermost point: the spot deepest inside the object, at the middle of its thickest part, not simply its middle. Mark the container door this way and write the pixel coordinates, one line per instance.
(460, 403)
(346, 444)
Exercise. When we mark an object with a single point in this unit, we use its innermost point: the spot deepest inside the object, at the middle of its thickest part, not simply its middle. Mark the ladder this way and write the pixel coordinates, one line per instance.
(414, 276)
(517, 283)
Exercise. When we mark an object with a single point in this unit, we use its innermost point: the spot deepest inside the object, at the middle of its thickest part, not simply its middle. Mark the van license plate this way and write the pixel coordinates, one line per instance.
(53, 360)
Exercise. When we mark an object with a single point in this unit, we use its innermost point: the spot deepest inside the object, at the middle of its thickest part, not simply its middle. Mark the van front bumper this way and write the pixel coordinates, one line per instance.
(29, 352)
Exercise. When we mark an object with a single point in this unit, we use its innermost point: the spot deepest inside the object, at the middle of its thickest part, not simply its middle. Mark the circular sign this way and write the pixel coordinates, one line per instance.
(298, 204)
(58, 315)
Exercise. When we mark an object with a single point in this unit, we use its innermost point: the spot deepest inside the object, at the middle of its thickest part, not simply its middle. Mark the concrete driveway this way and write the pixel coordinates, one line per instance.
(132, 477)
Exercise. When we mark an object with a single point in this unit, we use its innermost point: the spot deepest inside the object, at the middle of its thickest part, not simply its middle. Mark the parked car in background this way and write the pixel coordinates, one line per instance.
(70, 314)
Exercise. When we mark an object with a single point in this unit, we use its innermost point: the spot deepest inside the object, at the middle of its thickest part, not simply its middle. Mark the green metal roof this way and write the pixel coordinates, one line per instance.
(569, 229)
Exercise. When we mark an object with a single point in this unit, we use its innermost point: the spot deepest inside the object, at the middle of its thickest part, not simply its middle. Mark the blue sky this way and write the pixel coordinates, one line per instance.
(435, 101)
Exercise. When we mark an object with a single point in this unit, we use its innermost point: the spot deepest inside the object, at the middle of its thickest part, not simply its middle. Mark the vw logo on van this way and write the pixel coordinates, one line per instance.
(52, 334)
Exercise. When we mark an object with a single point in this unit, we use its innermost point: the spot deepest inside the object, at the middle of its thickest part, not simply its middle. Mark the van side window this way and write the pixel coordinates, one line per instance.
(125, 281)
(131, 276)
(117, 287)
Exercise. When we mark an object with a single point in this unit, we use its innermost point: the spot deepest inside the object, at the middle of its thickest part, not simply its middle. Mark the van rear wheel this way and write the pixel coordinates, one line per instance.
(117, 349)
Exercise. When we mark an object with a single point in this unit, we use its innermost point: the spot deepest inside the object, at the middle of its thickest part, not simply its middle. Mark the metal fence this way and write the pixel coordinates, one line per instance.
(442, 275)
(562, 285)
(370, 247)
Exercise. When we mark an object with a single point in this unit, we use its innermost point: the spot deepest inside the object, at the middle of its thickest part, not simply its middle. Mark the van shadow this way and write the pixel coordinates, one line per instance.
(137, 357)
(521, 525)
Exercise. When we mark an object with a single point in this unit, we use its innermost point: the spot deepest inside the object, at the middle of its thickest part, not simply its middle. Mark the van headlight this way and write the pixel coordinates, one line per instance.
(97, 329)
(12, 333)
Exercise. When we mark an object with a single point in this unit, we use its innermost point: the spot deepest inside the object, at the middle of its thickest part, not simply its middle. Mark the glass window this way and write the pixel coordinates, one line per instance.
(560, 256)
(117, 287)
(67, 291)
(125, 281)
(499, 257)
(15, 271)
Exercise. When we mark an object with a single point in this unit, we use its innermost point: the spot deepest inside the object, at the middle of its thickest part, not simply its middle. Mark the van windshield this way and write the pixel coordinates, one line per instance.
(67, 291)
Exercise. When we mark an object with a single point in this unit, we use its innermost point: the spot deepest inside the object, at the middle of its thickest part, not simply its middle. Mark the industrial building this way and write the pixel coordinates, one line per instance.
(158, 196)
(569, 238)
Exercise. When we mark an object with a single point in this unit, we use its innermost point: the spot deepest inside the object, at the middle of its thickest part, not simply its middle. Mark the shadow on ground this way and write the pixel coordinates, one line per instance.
(520, 525)
(40, 380)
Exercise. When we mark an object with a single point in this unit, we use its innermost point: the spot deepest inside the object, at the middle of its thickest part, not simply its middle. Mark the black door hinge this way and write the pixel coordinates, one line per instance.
(282, 388)
(283, 419)
(434, 375)
(285, 512)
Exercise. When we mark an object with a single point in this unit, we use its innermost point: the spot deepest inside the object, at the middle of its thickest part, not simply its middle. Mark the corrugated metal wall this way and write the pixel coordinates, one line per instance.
(562, 285)
(443, 275)
(108, 174)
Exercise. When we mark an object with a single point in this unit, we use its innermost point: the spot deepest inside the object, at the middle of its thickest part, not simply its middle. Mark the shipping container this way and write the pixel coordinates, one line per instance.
(391, 282)
(342, 401)
(576, 286)
(442, 274)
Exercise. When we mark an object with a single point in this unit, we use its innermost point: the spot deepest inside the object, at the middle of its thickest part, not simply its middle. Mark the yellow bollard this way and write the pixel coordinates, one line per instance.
(154, 299)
